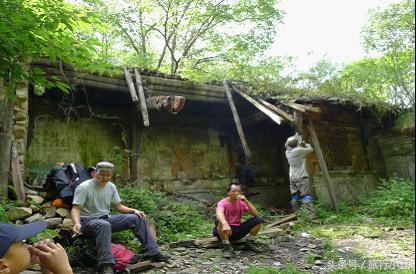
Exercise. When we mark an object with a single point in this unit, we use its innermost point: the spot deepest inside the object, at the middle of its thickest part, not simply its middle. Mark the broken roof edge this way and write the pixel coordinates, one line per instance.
(156, 79)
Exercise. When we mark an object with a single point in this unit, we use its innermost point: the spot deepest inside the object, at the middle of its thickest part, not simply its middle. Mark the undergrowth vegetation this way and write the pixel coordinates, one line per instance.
(174, 220)
(391, 204)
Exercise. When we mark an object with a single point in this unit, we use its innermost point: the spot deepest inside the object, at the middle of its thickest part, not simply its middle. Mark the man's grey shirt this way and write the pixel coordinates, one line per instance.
(296, 158)
(95, 201)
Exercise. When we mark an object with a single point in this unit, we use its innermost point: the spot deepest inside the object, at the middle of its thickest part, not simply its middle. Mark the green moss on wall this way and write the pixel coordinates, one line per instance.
(169, 154)
(82, 141)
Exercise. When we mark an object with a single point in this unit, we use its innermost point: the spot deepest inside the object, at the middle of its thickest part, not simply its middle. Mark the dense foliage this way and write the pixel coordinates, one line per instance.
(174, 220)
(392, 203)
(31, 29)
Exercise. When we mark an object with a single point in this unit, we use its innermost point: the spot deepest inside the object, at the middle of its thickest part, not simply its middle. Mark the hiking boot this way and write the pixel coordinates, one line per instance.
(228, 251)
(106, 269)
(252, 246)
(158, 257)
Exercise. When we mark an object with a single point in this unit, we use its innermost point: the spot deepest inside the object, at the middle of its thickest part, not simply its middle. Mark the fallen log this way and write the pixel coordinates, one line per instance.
(283, 220)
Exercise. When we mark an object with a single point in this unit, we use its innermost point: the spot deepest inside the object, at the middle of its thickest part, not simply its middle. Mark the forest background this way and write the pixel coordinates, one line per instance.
(204, 41)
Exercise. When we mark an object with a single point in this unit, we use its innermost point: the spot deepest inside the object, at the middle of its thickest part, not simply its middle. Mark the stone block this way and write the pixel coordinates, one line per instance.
(273, 232)
(35, 198)
(34, 218)
(18, 213)
(54, 222)
(67, 224)
(64, 212)
(19, 132)
(50, 212)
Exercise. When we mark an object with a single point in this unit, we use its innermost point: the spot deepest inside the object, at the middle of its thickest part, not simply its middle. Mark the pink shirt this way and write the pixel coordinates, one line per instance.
(233, 212)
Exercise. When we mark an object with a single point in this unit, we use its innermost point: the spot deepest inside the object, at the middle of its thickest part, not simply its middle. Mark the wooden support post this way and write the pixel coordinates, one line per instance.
(298, 121)
(131, 86)
(17, 175)
(143, 105)
(237, 121)
(268, 112)
(133, 157)
(322, 164)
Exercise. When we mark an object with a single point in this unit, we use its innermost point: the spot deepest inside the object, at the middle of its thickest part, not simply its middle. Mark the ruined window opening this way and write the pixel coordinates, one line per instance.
(336, 151)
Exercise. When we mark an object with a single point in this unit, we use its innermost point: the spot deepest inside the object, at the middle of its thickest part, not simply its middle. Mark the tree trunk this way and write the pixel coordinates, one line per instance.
(6, 123)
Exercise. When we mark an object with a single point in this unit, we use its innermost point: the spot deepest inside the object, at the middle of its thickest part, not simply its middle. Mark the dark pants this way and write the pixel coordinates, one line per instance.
(240, 231)
(101, 229)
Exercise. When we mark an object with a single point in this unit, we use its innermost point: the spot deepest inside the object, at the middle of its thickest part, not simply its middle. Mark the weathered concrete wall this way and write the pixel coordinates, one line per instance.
(348, 186)
(179, 159)
(85, 141)
(399, 155)
(345, 150)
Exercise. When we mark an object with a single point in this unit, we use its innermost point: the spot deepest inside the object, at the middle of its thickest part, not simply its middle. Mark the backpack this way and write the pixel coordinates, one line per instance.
(62, 181)
(121, 254)
(122, 257)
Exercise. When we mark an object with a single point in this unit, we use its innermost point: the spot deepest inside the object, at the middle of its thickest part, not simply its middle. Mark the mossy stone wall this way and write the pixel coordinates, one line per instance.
(84, 141)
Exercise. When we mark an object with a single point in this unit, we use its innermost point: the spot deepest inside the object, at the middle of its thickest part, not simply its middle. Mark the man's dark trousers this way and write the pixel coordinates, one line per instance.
(101, 229)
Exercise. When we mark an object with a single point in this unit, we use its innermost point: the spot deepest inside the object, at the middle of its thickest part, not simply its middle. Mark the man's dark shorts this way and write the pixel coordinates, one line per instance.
(240, 231)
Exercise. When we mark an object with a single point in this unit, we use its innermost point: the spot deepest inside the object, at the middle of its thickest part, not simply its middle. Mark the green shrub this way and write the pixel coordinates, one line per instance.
(393, 199)
(174, 220)
(5, 205)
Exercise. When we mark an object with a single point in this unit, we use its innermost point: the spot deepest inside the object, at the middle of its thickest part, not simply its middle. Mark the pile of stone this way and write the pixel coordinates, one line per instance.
(36, 209)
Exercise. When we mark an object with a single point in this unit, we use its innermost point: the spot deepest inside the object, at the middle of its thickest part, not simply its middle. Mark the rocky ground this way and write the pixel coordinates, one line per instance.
(300, 252)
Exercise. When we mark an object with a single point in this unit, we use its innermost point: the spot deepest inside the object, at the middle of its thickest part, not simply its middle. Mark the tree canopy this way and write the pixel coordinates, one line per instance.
(203, 40)
(31, 29)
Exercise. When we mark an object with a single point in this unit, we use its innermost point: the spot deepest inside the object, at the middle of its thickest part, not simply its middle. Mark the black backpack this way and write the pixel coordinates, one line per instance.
(62, 181)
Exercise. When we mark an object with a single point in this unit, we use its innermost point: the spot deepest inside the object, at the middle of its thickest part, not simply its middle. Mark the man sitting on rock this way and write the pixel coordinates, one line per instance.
(228, 224)
(92, 217)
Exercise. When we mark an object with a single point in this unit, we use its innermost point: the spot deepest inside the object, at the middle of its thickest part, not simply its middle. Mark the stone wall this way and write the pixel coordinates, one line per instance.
(348, 186)
(194, 161)
(21, 121)
(345, 150)
(189, 161)
(398, 155)
(84, 141)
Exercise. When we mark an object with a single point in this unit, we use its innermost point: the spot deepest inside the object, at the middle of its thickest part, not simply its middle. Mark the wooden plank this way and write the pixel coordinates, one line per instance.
(207, 242)
(17, 175)
(143, 105)
(322, 164)
(141, 266)
(174, 90)
(237, 121)
(269, 113)
(278, 110)
(130, 84)
(283, 220)
(299, 107)
(298, 121)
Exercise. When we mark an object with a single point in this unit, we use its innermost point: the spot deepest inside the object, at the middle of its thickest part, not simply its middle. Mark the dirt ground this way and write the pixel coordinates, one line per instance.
(394, 250)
